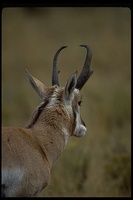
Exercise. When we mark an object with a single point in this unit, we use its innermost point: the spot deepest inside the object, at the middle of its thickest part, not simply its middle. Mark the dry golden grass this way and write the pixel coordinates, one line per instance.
(98, 164)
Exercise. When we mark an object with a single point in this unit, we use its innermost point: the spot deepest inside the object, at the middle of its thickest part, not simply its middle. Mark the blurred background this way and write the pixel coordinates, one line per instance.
(98, 164)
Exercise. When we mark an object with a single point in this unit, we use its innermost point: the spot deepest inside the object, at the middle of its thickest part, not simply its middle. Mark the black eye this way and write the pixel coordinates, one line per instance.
(79, 103)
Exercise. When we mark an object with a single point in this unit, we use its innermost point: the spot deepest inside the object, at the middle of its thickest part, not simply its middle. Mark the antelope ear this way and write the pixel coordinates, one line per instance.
(70, 86)
(37, 85)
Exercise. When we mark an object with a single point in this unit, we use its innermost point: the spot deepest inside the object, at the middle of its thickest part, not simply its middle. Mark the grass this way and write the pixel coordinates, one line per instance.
(99, 164)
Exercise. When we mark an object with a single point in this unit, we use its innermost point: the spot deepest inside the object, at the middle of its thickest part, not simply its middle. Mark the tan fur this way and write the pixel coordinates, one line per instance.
(28, 154)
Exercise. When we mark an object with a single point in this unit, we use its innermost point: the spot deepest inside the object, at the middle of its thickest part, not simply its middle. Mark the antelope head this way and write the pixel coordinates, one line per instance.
(63, 101)
(28, 154)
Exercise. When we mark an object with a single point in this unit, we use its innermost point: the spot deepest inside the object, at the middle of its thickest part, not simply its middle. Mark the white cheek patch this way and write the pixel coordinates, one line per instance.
(80, 129)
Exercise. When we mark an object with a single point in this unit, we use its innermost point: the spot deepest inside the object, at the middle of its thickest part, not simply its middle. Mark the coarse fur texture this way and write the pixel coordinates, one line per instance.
(29, 153)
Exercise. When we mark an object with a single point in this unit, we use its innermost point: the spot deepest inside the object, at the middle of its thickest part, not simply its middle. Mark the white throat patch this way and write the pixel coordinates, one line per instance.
(80, 129)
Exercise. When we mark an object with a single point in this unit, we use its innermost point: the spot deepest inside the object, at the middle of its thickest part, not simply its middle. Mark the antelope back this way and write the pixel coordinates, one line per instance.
(29, 153)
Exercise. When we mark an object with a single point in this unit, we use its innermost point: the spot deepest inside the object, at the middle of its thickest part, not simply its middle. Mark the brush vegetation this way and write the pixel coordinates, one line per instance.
(98, 164)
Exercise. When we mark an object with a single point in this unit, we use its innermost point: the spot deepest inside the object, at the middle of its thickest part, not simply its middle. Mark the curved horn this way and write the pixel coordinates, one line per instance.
(55, 68)
(86, 71)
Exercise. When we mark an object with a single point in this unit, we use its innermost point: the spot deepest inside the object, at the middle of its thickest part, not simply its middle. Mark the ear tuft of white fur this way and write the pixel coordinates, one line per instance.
(70, 86)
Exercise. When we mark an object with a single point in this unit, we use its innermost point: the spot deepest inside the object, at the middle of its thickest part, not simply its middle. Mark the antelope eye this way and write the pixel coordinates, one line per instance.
(79, 103)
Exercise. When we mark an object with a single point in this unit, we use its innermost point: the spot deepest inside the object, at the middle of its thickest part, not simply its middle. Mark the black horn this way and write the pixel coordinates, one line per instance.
(86, 71)
(55, 68)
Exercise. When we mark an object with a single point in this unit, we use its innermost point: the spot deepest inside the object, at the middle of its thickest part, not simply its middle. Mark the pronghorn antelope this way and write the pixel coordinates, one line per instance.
(29, 153)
